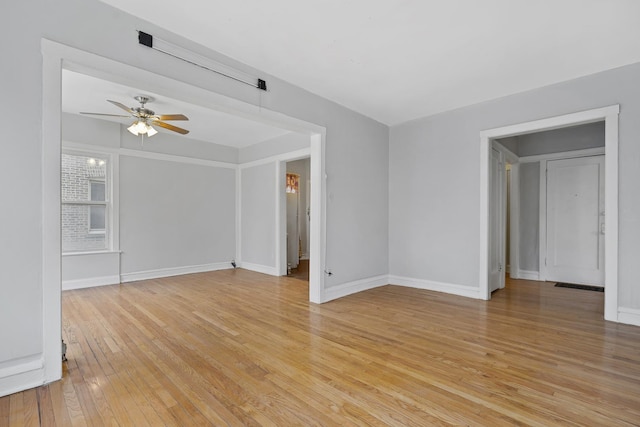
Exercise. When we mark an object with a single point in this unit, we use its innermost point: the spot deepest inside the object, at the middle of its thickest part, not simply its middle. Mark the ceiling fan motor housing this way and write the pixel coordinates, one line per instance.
(143, 112)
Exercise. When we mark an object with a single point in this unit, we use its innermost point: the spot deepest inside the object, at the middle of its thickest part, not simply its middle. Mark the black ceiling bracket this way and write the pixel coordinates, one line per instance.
(145, 39)
(177, 52)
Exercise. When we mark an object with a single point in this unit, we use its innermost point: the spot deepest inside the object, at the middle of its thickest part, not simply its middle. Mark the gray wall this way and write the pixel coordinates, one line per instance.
(434, 227)
(175, 214)
(172, 214)
(258, 215)
(88, 130)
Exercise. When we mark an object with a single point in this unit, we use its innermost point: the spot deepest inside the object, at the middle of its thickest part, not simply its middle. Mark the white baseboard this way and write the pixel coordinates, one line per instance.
(173, 271)
(430, 285)
(630, 316)
(349, 288)
(259, 268)
(22, 376)
(89, 282)
(528, 275)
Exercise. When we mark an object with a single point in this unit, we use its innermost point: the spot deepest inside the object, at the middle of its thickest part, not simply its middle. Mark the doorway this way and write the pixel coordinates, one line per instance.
(298, 212)
(559, 181)
(609, 115)
(57, 57)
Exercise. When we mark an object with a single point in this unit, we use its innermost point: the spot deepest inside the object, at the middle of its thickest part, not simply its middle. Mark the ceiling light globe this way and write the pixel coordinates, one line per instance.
(141, 127)
(151, 131)
(133, 129)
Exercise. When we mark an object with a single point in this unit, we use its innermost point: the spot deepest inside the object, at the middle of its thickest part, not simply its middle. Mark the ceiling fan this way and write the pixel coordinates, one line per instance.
(144, 118)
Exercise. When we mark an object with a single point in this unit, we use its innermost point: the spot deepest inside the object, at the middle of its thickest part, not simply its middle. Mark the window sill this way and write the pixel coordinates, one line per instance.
(90, 253)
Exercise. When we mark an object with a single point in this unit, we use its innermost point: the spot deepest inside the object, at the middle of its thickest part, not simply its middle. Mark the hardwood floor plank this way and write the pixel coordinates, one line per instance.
(16, 410)
(58, 403)
(239, 348)
(31, 410)
(46, 415)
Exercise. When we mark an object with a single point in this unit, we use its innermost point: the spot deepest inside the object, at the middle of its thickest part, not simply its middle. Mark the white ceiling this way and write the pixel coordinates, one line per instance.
(83, 93)
(397, 60)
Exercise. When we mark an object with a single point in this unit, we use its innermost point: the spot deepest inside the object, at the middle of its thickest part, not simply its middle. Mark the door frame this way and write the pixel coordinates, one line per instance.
(499, 212)
(508, 157)
(55, 58)
(281, 211)
(607, 114)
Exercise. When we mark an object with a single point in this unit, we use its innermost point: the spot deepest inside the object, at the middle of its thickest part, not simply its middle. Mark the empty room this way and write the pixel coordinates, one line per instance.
(320, 213)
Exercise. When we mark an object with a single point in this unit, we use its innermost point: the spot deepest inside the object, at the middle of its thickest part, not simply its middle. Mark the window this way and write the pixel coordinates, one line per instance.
(86, 204)
(97, 213)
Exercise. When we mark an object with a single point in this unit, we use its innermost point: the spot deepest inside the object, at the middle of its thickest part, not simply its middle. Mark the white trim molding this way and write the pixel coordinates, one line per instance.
(514, 220)
(563, 155)
(356, 286)
(527, 275)
(27, 372)
(542, 220)
(91, 282)
(51, 232)
(430, 285)
(173, 271)
(174, 158)
(318, 218)
(303, 153)
(630, 316)
(610, 116)
(280, 227)
(151, 155)
(259, 268)
(238, 217)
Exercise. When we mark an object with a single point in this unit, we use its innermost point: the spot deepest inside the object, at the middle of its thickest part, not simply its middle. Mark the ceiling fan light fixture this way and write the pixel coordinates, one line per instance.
(151, 131)
(141, 127)
(133, 128)
(143, 116)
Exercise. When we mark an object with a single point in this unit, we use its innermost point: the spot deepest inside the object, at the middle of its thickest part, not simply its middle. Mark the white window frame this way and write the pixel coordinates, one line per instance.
(111, 231)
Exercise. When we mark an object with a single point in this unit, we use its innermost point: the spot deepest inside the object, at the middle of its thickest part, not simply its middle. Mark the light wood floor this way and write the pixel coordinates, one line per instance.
(239, 348)
(302, 271)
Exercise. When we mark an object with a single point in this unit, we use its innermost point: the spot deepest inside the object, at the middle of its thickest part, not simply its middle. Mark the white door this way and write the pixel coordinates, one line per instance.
(497, 222)
(575, 220)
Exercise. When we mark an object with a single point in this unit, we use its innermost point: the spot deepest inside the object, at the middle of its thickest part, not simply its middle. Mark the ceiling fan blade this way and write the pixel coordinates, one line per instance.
(172, 117)
(101, 114)
(170, 127)
(124, 107)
